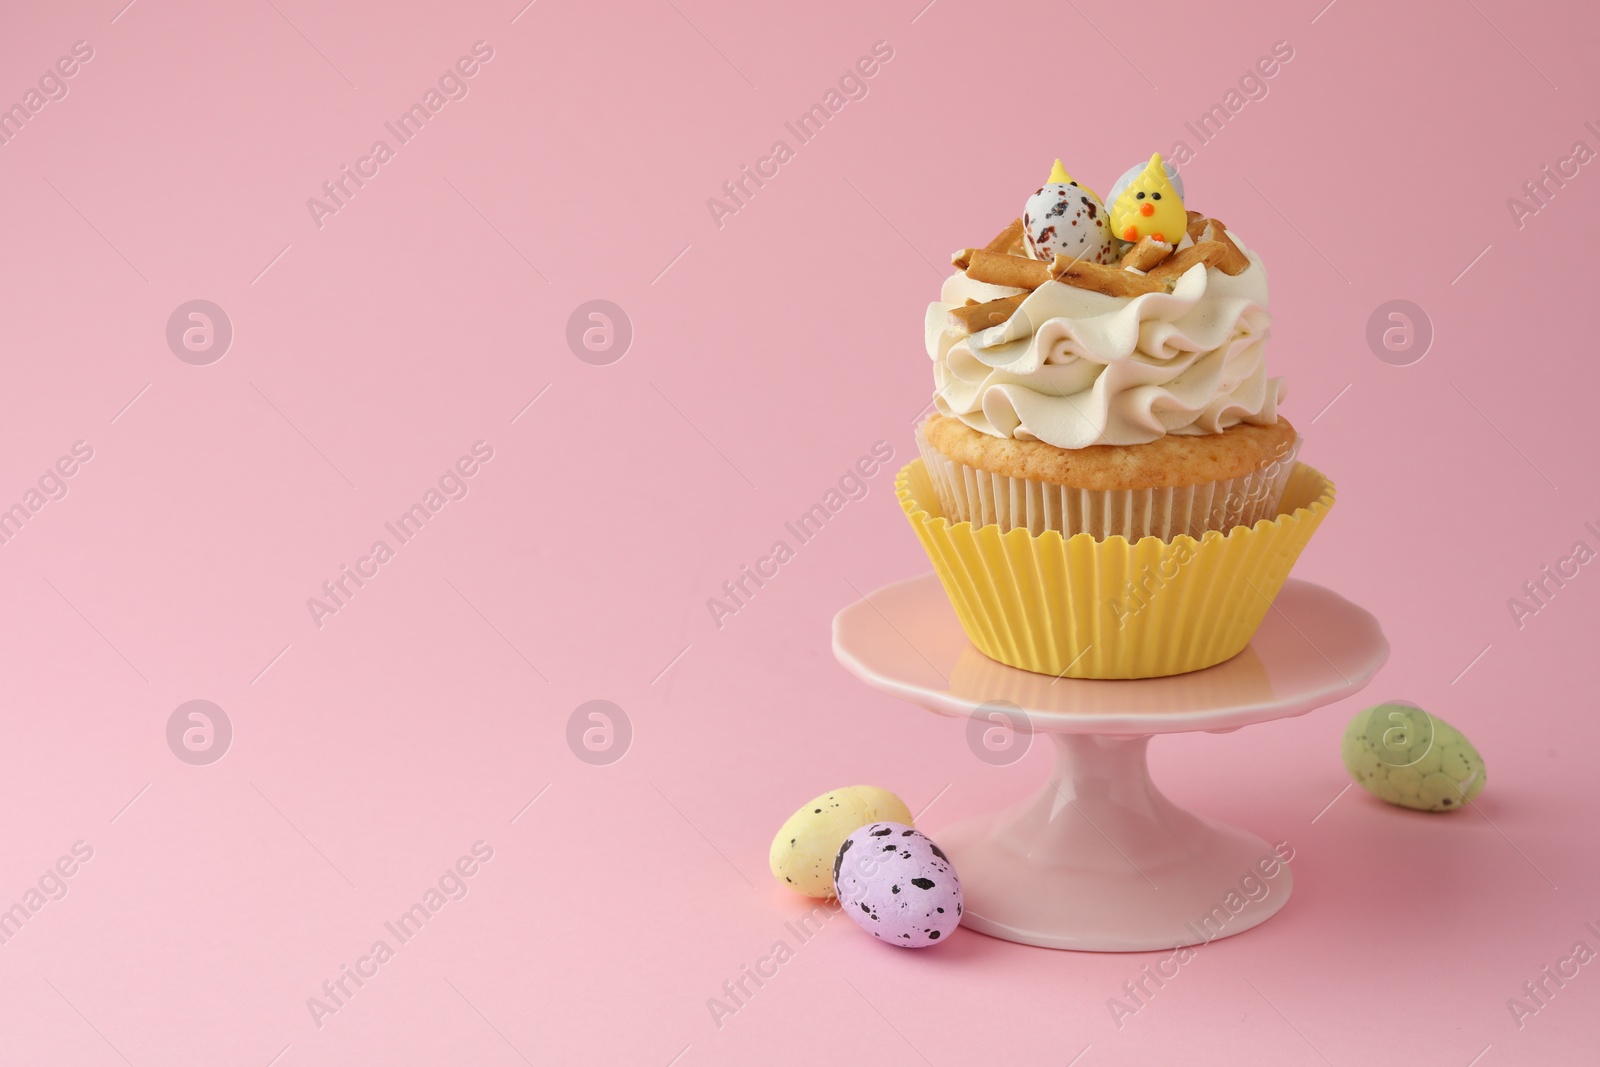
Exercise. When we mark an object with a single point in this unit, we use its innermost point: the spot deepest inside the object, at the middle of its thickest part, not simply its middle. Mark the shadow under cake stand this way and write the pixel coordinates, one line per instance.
(1098, 859)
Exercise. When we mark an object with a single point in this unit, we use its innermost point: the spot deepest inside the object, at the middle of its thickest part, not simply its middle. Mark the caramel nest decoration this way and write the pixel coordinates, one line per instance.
(1150, 266)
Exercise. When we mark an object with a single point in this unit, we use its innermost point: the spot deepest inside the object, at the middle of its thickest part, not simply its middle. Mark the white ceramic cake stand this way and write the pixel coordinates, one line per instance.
(1098, 859)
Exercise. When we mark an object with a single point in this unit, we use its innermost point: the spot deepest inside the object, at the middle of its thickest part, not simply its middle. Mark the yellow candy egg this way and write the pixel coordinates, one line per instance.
(1402, 755)
(803, 851)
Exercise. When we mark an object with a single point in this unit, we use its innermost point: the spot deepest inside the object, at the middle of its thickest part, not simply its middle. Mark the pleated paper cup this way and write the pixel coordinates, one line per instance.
(967, 494)
(1081, 607)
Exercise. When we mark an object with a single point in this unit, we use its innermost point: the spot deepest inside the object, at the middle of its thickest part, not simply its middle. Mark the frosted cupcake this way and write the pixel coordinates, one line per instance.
(1106, 488)
(1118, 386)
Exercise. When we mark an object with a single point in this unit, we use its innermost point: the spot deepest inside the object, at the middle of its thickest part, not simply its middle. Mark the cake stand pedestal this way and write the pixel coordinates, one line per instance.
(1098, 859)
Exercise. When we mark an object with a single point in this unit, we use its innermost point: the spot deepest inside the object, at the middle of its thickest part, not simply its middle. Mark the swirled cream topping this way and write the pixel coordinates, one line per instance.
(1075, 368)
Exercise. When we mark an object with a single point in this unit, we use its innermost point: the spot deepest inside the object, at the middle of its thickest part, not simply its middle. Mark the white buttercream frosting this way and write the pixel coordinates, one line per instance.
(1075, 368)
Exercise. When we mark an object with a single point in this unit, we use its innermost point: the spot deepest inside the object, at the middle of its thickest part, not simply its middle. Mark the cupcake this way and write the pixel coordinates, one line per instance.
(1104, 399)
(1106, 485)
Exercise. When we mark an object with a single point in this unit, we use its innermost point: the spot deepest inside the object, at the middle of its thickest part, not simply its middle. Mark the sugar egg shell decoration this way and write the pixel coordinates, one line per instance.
(802, 854)
(897, 885)
(1065, 218)
(1404, 756)
(1150, 206)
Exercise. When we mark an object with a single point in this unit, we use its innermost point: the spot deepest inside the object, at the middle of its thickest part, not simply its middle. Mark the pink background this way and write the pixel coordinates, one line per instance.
(768, 355)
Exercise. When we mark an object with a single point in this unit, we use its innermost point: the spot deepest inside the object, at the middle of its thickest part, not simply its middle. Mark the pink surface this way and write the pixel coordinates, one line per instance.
(372, 747)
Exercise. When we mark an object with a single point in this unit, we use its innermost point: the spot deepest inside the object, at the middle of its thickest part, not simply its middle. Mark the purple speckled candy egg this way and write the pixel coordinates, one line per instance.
(897, 885)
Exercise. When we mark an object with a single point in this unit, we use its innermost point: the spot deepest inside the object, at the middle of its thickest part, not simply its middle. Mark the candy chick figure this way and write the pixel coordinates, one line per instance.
(1065, 218)
(1150, 207)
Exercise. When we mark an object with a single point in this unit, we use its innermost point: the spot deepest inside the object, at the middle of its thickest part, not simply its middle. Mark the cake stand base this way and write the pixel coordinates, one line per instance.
(1099, 860)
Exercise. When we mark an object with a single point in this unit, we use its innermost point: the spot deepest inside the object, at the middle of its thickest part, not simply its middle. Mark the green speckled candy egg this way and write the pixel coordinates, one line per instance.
(803, 852)
(1401, 754)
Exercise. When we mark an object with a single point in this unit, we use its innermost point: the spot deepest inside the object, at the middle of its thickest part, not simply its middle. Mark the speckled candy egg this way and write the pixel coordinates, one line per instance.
(1065, 218)
(897, 886)
(1401, 754)
(803, 851)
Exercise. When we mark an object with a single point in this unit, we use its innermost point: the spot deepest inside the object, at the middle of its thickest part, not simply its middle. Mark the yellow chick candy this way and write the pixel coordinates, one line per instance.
(1150, 207)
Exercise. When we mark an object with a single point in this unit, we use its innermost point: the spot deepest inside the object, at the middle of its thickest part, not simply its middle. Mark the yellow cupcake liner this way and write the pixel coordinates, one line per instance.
(1076, 607)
